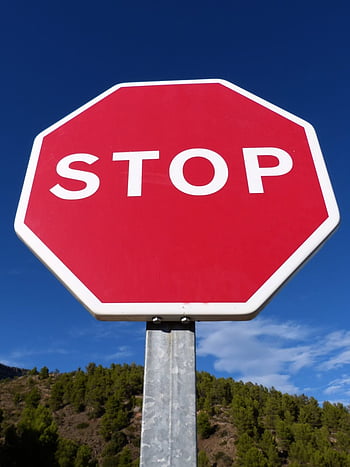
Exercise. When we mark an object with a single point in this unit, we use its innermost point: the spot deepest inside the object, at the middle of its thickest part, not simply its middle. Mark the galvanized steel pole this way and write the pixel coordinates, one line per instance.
(168, 437)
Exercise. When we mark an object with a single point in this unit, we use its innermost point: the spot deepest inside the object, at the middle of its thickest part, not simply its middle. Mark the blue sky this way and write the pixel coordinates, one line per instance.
(55, 57)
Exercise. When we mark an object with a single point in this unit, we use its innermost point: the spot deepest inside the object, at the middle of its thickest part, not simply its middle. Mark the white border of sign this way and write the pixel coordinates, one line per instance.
(174, 311)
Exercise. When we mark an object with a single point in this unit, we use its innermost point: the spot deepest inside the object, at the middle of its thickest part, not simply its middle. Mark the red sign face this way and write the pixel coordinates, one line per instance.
(190, 198)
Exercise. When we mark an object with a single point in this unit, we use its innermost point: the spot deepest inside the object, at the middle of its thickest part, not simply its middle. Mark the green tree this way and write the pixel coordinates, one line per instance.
(317, 459)
(289, 408)
(321, 438)
(272, 411)
(269, 448)
(34, 441)
(78, 391)
(66, 452)
(44, 373)
(284, 435)
(204, 385)
(254, 458)
(65, 383)
(84, 457)
(204, 428)
(116, 444)
(115, 418)
(208, 404)
(332, 458)
(33, 398)
(243, 444)
(343, 441)
(245, 414)
(332, 415)
(301, 452)
(302, 432)
(57, 395)
(33, 371)
(310, 413)
(17, 398)
(97, 387)
(203, 459)
(124, 458)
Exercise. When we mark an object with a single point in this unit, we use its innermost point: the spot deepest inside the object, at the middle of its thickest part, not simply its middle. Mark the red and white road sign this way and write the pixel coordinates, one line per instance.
(180, 198)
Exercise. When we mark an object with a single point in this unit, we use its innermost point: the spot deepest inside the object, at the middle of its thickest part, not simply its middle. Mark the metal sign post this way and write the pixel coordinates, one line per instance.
(168, 436)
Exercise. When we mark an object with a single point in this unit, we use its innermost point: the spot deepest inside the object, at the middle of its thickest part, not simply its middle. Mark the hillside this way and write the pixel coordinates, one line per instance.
(11, 372)
(93, 418)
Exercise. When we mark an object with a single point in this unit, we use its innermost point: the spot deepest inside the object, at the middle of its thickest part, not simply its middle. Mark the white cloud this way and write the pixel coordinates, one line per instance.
(337, 340)
(343, 358)
(337, 348)
(260, 351)
(341, 384)
(122, 352)
(278, 381)
(19, 357)
(274, 354)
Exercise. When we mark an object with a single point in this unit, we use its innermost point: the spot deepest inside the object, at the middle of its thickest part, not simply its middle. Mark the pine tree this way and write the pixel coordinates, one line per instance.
(44, 373)
(57, 395)
(284, 435)
(254, 458)
(204, 427)
(269, 448)
(243, 444)
(310, 413)
(84, 457)
(78, 391)
(66, 452)
(115, 418)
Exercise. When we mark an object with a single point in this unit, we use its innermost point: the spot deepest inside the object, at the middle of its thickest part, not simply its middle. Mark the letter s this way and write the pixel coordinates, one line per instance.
(64, 170)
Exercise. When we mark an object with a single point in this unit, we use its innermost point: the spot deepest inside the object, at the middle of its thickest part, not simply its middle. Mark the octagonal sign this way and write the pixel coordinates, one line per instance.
(172, 199)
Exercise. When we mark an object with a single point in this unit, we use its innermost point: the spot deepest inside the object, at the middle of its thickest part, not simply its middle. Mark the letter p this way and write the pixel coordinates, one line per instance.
(255, 172)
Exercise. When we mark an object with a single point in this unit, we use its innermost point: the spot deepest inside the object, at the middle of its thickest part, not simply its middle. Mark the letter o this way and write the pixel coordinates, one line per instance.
(219, 179)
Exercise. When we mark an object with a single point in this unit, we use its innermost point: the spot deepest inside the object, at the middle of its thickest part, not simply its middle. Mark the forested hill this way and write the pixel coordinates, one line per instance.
(92, 418)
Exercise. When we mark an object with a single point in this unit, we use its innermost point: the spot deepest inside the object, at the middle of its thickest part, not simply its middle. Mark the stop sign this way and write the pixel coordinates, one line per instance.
(177, 199)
